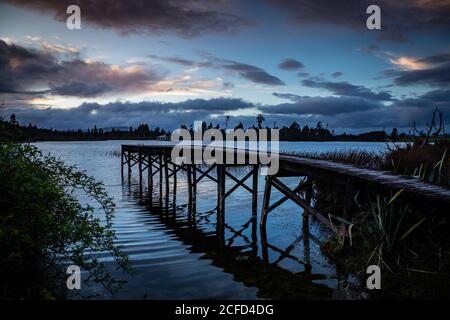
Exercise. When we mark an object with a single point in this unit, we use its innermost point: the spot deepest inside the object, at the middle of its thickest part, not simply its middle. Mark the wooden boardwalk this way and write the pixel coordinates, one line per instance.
(156, 160)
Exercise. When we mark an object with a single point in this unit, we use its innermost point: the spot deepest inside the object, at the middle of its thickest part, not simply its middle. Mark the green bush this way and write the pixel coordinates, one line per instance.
(44, 227)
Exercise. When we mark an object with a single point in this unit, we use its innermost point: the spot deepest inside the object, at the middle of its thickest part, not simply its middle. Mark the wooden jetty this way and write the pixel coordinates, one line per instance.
(155, 159)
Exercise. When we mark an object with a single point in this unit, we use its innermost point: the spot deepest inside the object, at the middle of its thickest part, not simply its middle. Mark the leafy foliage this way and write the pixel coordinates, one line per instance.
(43, 225)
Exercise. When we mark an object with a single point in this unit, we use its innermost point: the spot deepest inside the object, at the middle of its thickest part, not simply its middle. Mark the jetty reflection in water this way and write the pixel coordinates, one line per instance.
(240, 249)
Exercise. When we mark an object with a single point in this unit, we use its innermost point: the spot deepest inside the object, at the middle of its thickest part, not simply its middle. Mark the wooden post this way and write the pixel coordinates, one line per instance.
(129, 167)
(150, 178)
(194, 188)
(140, 171)
(189, 185)
(166, 181)
(255, 209)
(308, 197)
(255, 191)
(262, 225)
(174, 184)
(160, 178)
(189, 182)
(150, 173)
(221, 203)
(121, 163)
(266, 202)
(305, 227)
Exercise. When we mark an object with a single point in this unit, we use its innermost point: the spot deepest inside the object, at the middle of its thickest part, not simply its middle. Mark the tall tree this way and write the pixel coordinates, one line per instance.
(260, 120)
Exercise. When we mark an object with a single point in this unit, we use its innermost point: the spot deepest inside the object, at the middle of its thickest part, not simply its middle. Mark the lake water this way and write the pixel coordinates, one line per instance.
(178, 257)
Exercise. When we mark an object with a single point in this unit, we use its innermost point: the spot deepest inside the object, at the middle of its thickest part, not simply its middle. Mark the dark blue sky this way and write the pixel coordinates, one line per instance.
(157, 61)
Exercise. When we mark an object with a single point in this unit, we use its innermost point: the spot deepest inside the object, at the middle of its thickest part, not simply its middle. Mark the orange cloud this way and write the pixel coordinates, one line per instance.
(408, 63)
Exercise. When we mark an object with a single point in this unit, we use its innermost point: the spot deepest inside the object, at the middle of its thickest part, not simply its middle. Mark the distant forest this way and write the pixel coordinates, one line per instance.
(295, 132)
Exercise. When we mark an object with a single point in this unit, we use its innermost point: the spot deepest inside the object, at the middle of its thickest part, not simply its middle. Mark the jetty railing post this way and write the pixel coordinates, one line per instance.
(255, 191)
(266, 202)
(140, 171)
(194, 188)
(264, 212)
(255, 208)
(174, 183)
(308, 197)
(166, 178)
(150, 173)
(305, 226)
(160, 178)
(121, 162)
(150, 177)
(221, 203)
(129, 166)
(189, 182)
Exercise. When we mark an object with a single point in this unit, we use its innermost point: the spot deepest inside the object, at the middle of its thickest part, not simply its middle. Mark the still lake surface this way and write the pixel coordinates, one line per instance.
(177, 257)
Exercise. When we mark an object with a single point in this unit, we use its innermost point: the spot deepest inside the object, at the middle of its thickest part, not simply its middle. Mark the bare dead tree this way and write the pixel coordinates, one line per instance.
(435, 129)
(433, 126)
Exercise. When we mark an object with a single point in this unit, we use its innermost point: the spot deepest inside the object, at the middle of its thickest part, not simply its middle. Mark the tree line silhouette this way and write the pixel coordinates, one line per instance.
(294, 132)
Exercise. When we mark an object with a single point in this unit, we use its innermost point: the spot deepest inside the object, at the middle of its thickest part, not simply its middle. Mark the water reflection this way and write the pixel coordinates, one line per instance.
(243, 260)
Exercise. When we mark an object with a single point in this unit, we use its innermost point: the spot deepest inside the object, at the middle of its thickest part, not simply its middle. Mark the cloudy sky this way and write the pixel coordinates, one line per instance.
(170, 62)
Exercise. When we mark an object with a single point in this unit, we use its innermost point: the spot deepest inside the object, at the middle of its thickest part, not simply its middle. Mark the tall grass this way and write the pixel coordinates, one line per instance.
(385, 226)
(358, 158)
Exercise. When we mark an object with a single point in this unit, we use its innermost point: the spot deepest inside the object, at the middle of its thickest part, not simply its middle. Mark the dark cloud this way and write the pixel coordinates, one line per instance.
(243, 70)
(433, 70)
(182, 61)
(433, 99)
(437, 95)
(362, 114)
(438, 76)
(22, 70)
(321, 105)
(254, 74)
(398, 17)
(347, 89)
(287, 96)
(291, 65)
(436, 59)
(81, 89)
(336, 74)
(21, 67)
(188, 18)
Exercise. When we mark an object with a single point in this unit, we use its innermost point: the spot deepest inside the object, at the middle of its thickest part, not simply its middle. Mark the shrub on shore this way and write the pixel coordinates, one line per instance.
(43, 226)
